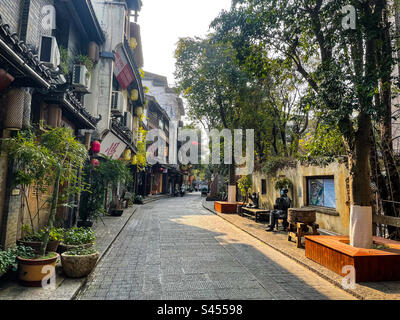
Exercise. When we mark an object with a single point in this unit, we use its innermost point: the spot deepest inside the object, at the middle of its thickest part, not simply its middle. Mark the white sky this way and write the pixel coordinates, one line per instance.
(163, 22)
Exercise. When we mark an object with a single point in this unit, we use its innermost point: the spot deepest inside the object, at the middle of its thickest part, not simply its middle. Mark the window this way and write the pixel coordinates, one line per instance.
(263, 186)
(321, 192)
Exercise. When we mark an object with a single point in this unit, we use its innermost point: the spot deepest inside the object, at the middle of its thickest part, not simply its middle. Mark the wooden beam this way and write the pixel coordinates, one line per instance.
(390, 221)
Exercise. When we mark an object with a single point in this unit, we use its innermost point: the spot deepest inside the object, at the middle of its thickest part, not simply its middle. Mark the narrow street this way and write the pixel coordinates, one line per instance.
(173, 249)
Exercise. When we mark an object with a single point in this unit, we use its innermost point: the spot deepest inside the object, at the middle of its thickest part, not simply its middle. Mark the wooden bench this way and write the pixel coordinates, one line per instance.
(256, 213)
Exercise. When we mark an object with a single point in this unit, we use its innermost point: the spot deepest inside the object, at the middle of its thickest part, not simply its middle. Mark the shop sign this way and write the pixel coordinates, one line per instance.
(112, 147)
(122, 69)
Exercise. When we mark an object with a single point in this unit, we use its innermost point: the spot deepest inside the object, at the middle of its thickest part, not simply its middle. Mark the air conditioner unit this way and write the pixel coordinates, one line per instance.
(79, 76)
(117, 102)
(48, 51)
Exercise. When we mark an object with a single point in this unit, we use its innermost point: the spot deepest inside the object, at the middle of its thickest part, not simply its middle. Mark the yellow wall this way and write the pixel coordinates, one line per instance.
(336, 220)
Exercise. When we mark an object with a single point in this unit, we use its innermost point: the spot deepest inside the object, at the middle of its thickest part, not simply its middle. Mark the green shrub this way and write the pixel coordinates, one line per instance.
(8, 257)
(77, 236)
(81, 252)
(138, 199)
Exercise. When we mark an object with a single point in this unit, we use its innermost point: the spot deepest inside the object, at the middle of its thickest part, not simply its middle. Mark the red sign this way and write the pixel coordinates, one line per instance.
(122, 69)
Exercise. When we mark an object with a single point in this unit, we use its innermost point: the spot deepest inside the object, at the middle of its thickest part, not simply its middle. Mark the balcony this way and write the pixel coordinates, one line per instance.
(123, 133)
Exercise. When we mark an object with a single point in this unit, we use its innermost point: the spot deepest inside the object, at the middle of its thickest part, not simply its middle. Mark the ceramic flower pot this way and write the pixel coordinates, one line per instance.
(31, 272)
(78, 266)
(36, 245)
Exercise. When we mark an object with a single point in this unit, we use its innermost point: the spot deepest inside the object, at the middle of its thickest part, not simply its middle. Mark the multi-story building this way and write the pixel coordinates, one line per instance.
(43, 79)
(172, 104)
(117, 92)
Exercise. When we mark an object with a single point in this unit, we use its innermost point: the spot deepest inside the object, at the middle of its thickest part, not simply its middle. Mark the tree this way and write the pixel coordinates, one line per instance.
(210, 81)
(347, 69)
(53, 158)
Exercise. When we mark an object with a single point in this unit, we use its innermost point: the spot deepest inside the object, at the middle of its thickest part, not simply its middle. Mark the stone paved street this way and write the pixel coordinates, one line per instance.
(175, 249)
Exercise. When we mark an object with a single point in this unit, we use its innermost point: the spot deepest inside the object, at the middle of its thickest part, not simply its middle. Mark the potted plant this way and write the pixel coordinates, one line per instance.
(8, 258)
(85, 61)
(77, 238)
(54, 157)
(138, 199)
(35, 239)
(93, 198)
(283, 183)
(79, 262)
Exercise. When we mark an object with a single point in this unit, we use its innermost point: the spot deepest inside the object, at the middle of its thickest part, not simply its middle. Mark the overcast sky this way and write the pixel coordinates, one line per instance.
(163, 22)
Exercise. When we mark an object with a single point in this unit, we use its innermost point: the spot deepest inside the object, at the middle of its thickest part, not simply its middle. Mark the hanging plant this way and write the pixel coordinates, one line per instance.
(64, 60)
(87, 62)
(283, 183)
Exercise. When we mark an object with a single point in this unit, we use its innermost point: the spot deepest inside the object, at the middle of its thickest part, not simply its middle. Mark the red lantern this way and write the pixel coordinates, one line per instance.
(95, 162)
(96, 146)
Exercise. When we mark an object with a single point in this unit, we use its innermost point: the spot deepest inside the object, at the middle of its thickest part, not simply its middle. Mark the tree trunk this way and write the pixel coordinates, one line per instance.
(360, 182)
(53, 209)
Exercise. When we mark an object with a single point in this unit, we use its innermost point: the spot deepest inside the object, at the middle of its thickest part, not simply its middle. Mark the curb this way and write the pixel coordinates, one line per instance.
(335, 283)
(87, 278)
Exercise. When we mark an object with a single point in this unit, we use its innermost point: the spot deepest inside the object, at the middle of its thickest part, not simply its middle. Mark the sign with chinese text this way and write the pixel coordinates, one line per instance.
(122, 69)
(112, 147)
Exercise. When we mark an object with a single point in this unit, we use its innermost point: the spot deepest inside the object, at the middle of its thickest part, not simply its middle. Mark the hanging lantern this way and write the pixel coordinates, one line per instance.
(95, 162)
(134, 95)
(15, 109)
(96, 146)
(139, 111)
(133, 43)
(127, 155)
(134, 160)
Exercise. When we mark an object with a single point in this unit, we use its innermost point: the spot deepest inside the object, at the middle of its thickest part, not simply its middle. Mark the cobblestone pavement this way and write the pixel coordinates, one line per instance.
(174, 249)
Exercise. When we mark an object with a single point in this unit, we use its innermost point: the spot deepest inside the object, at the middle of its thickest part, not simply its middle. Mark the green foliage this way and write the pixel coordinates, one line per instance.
(77, 236)
(245, 184)
(64, 60)
(8, 257)
(274, 164)
(138, 199)
(283, 183)
(81, 251)
(86, 61)
(52, 158)
(114, 171)
(325, 141)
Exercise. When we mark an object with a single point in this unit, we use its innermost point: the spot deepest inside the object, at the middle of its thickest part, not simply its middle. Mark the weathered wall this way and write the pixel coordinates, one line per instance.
(10, 12)
(336, 220)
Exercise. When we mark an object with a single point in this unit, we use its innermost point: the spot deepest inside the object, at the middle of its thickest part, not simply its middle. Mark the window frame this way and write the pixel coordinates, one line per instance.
(326, 177)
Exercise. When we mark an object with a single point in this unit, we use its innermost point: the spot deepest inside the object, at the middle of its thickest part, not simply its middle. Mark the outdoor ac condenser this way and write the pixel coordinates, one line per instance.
(117, 102)
(79, 76)
(49, 53)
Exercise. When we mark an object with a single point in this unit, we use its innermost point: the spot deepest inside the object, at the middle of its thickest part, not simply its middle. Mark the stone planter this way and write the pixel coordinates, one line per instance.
(78, 266)
(67, 247)
(31, 272)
